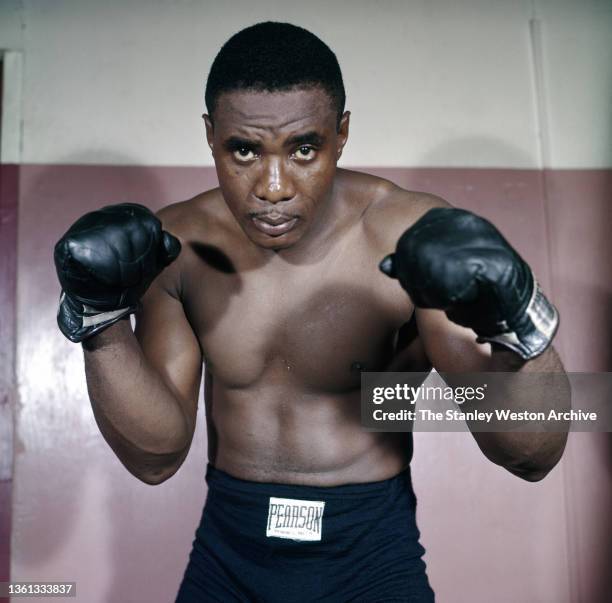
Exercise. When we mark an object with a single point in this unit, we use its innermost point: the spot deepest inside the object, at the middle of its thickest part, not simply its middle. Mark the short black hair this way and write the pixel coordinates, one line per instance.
(275, 57)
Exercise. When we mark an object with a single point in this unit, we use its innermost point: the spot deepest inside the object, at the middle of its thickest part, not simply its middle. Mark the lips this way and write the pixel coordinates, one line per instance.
(274, 224)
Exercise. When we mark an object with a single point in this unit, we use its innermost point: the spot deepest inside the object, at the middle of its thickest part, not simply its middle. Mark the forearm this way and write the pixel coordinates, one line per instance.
(530, 455)
(138, 415)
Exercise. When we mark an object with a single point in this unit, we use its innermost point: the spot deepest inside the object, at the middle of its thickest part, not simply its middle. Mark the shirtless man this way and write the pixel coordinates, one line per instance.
(272, 280)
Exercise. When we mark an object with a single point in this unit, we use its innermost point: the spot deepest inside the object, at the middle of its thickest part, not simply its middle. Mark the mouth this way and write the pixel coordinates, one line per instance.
(274, 224)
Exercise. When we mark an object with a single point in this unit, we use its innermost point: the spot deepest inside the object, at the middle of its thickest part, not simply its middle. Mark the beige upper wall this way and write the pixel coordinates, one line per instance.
(429, 83)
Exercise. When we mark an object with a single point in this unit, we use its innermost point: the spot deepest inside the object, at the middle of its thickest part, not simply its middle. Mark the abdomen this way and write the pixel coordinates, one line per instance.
(280, 434)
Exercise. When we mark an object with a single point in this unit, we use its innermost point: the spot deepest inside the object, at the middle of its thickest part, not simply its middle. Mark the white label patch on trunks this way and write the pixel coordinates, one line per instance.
(295, 519)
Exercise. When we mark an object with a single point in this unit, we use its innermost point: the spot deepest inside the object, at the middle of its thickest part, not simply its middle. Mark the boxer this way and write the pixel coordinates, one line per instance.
(272, 281)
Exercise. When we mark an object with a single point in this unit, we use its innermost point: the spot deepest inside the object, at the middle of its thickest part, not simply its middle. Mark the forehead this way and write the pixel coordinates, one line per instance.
(274, 112)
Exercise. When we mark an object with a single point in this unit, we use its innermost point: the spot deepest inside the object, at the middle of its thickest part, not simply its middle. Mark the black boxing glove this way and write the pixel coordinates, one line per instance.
(455, 261)
(105, 262)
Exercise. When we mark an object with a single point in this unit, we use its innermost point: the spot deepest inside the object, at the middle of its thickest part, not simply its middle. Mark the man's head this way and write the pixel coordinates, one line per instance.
(274, 57)
(276, 127)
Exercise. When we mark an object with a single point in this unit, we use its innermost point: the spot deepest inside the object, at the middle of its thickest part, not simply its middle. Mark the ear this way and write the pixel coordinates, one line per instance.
(343, 133)
(209, 130)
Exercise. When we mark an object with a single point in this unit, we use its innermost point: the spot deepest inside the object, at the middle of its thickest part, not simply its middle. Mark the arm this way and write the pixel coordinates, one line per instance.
(143, 387)
(479, 309)
(453, 349)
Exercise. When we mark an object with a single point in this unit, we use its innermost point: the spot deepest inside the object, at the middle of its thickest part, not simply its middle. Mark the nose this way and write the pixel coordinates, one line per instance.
(275, 184)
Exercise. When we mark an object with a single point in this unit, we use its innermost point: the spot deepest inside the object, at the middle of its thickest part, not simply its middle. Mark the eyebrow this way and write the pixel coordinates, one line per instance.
(307, 138)
(234, 143)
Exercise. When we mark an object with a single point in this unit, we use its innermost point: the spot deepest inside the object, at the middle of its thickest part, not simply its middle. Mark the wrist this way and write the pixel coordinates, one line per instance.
(113, 335)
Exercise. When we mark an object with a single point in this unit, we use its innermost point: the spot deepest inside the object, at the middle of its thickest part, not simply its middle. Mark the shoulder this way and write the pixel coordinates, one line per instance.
(196, 222)
(185, 216)
(195, 219)
(388, 216)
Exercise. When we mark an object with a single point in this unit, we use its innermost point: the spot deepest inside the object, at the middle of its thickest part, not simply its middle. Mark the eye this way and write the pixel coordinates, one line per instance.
(305, 152)
(244, 154)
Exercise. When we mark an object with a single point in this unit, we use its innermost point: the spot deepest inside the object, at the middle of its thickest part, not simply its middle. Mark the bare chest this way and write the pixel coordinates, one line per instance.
(315, 327)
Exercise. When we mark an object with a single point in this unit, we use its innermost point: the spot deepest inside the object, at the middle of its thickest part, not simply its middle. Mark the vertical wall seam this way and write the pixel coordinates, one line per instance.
(544, 154)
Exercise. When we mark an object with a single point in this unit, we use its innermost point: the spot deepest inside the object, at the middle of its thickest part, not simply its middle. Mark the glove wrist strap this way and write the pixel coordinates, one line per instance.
(79, 321)
(533, 331)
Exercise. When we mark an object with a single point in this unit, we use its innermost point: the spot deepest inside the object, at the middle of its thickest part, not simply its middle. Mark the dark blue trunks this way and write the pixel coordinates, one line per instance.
(283, 543)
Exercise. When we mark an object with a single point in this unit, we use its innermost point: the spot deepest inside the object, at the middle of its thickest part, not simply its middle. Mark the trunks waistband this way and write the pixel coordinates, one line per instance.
(218, 479)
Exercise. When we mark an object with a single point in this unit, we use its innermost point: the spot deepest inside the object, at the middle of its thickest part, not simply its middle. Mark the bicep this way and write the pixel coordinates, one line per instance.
(170, 345)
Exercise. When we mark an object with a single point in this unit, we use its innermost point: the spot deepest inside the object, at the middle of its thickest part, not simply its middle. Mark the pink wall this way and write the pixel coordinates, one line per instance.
(580, 220)
(8, 245)
(78, 515)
